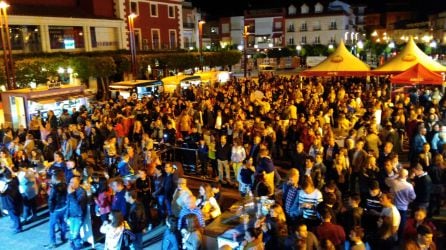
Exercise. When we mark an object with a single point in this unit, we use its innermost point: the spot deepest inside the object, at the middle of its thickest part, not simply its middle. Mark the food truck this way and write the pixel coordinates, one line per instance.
(20, 105)
(138, 88)
(184, 81)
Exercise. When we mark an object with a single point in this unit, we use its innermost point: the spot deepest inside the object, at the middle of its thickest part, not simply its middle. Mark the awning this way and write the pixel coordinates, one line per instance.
(418, 74)
(54, 99)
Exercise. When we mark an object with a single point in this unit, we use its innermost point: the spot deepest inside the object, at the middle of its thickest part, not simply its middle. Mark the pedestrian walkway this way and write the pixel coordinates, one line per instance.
(35, 236)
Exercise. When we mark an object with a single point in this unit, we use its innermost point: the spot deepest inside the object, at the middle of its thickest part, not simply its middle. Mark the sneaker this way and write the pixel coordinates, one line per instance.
(149, 227)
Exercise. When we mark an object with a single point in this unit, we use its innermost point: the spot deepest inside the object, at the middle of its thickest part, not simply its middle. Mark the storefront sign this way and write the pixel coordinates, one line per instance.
(54, 85)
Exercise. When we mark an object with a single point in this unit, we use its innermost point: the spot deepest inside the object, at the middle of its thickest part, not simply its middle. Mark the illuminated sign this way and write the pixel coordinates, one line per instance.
(69, 43)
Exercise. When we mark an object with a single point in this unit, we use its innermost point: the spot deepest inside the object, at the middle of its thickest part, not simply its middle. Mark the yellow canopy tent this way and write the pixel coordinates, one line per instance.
(407, 58)
(339, 63)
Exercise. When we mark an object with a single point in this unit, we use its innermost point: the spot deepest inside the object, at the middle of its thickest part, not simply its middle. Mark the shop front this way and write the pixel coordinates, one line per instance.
(21, 105)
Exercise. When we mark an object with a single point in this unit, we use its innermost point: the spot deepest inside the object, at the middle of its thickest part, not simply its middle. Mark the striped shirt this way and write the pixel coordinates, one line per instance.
(308, 203)
(185, 211)
(372, 202)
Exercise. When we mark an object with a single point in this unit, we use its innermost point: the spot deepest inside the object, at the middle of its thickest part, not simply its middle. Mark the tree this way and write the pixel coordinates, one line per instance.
(104, 67)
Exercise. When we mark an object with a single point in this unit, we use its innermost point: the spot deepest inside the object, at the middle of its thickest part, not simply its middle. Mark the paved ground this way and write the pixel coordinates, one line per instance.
(35, 234)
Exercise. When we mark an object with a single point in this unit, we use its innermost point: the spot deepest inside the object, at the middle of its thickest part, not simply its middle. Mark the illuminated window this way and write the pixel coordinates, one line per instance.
(66, 37)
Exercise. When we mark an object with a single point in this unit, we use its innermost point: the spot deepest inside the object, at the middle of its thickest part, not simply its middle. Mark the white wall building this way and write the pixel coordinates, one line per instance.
(319, 24)
(191, 17)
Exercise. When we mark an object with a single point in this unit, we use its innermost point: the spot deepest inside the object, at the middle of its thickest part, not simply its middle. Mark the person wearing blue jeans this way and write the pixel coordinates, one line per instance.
(76, 208)
(57, 204)
(74, 225)
(57, 217)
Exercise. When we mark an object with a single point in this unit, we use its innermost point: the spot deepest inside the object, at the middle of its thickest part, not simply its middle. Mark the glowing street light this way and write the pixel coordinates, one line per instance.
(392, 45)
(131, 18)
(298, 48)
(200, 41)
(360, 44)
(330, 46)
(6, 44)
(433, 44)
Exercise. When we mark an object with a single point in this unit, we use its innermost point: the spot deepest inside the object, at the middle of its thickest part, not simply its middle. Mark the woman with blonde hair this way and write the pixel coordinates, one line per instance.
(207, 202)
(114, 231)
(138, 132)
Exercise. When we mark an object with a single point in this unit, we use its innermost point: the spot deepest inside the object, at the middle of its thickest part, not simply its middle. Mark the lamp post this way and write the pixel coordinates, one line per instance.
(6, 43)
(245, 48)
(299, 48)
(131, 18)
(200, 41)
(433, 46)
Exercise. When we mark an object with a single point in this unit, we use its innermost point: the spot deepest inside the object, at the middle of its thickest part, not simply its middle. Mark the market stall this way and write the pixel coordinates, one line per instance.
(339, 63)
(407, 58)
(20, 105)
(418, 74)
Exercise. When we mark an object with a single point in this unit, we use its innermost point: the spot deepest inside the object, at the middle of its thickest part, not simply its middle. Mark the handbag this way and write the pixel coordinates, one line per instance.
(127, 238)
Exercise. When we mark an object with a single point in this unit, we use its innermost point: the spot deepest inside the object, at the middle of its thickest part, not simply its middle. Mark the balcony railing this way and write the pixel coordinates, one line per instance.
(332, 27)
(290, 29)
(316, 28)
(189, 25)
(303, 29)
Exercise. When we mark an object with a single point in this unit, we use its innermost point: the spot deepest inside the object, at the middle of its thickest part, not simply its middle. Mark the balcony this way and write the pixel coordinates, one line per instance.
(303, 29)
(332, 27)
(290, 30)
(189, 25)
(316, 28)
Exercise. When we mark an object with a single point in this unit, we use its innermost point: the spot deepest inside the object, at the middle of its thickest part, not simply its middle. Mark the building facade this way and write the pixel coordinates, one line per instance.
(438, 24)
(320, 24)
(158, 25)
(55, 26)
(96, 25)
(266, 28)
(191, 17)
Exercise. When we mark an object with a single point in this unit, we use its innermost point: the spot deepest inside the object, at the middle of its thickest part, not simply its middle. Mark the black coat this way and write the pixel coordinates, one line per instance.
(137, 217)
(12, 199)
(58, 196)
(423, 188)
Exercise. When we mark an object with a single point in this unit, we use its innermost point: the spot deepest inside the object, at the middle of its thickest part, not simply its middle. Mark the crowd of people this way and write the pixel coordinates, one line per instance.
(338, 141)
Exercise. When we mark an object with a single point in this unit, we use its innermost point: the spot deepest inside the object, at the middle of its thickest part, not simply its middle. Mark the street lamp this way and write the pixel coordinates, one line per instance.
(6, 43)
(245, 48)
(392, 45)
(433, 45)
(200, 41)
(131, 18)
(299, 48)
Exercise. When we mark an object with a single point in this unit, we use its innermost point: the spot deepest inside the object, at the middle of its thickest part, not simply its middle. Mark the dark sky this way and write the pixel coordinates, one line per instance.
(223, 8)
